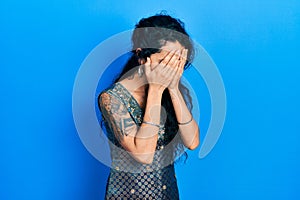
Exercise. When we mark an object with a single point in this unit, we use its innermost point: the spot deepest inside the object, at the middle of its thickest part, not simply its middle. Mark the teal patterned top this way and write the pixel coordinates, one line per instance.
(130, 179)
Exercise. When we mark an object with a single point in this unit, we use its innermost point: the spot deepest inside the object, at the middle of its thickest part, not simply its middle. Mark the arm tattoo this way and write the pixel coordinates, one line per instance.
(117, 116)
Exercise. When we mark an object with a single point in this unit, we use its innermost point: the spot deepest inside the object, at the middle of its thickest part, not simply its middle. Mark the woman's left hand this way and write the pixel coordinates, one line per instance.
(179, 70)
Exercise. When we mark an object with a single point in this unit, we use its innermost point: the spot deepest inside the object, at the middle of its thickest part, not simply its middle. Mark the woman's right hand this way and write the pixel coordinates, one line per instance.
(161, 75)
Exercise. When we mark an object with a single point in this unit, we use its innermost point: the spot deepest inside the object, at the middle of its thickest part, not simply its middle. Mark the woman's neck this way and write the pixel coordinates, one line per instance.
(137, 86)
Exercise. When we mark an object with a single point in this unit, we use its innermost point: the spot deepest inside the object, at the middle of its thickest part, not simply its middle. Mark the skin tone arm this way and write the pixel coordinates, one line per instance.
(190, 131)
(141, 141)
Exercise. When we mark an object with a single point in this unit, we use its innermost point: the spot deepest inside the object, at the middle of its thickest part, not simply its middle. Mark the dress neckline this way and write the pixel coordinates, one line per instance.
(129, 94)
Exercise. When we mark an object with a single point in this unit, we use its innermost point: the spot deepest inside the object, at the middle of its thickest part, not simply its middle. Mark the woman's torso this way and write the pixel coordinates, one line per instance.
(130, 179)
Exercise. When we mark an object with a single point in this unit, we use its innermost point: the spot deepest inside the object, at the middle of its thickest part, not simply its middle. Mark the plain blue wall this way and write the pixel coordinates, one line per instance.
(254, 44)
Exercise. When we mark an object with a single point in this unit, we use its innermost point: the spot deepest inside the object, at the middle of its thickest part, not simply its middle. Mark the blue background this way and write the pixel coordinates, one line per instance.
(254, 43)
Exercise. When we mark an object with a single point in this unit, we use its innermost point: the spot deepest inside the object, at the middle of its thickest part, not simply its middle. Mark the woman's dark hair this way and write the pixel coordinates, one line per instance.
(149, 35)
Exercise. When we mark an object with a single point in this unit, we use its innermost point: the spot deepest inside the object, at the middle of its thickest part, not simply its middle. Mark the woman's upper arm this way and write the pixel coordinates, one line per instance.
(118, 119)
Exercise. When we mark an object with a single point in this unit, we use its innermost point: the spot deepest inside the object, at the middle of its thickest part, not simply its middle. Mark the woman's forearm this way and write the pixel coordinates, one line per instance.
(146, 138)
(190, 131)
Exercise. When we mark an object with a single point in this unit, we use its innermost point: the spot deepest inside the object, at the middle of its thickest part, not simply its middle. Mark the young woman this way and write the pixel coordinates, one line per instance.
(146, 112)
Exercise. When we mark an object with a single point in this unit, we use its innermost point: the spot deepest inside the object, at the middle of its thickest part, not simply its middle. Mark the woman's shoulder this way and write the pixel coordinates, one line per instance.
(114, 92)
(110, 90)
(110, 98)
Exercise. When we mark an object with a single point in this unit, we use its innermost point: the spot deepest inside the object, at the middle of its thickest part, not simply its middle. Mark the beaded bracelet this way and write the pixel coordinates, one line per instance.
(184, 123)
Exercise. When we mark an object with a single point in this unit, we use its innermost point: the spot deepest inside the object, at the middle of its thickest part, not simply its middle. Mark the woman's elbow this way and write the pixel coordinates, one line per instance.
(194, 145)
(196, 141)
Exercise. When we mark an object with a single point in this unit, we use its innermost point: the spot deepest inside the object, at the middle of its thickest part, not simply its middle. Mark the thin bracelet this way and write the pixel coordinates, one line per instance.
(184, 123)
(151, 123)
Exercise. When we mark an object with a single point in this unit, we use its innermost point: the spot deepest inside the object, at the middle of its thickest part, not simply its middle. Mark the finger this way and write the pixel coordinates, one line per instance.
(162, 66)
(181, 53)
(183, 58)
(171, 66)
(175, 75)
(174, 59)
(173, 70)
(148, 66)
(167, 58)
(178, 69)
(180, 66)
(176, 63)
(185, 54)
(180, 57)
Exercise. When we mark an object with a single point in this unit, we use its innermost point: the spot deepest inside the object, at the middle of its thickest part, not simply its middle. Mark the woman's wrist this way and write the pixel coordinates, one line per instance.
(156, 88)
(173, 88)
(186, 122)
(174, 91)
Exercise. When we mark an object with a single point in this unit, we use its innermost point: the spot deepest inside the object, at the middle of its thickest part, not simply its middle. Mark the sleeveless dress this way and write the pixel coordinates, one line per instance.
(130, 179)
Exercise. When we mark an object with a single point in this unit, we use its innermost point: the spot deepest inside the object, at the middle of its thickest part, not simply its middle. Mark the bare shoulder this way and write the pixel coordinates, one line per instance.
(111, 104)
